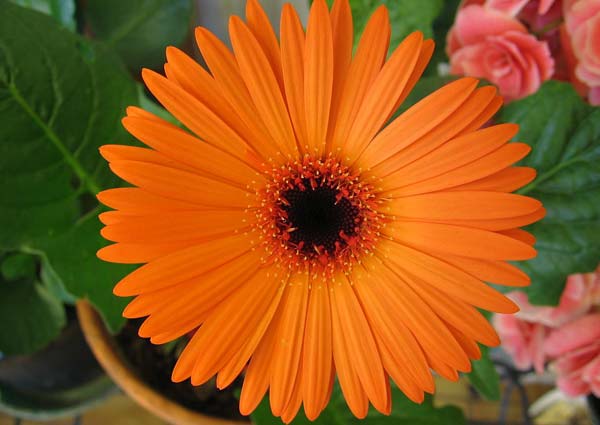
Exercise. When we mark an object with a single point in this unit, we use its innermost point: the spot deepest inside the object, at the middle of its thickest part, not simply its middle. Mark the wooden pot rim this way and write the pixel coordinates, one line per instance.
(106, 350)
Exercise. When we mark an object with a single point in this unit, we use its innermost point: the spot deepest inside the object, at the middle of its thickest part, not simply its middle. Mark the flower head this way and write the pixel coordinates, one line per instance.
(299, 234)
(488, 43)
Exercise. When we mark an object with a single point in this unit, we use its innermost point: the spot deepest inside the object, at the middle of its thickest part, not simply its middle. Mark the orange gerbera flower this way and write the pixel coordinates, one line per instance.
(301, 238)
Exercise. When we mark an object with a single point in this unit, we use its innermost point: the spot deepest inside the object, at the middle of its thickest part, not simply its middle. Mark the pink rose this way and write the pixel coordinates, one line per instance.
(537, 14)
(522, 340)
(581, 292)
(489, 44)
(576, 348)
(582, 21)
(525, 335)
(513, 7)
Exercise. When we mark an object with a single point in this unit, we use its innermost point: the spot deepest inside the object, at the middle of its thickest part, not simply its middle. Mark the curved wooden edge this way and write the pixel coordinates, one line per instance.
(107, 353)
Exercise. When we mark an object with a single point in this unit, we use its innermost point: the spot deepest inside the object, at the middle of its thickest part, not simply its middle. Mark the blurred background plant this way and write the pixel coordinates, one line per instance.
(68, 70)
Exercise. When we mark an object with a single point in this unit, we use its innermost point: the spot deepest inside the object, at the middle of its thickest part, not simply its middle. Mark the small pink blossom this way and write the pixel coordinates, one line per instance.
(514, 7)
(523, 340)
(581, 292)
(489, 44)
(582, 22)
(576, 350)
(567, 335)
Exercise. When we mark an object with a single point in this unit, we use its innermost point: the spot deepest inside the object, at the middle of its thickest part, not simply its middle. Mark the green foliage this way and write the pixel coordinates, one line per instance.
(484, 376)
(30, 311)
(140, 30)
(63, 99)
(406, 16)
(564, 133)
(404, 412)
(17, 266)
(441, 26)
(61, 10)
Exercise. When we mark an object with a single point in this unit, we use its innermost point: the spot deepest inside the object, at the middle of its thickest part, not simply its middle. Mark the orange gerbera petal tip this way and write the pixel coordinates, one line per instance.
(298, 235)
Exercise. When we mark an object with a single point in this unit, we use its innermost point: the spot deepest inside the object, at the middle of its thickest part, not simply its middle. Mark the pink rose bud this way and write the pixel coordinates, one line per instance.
(582, 19)
(490, 44)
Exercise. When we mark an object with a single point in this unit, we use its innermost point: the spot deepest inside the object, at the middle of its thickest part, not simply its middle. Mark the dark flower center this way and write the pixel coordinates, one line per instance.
(319, 218)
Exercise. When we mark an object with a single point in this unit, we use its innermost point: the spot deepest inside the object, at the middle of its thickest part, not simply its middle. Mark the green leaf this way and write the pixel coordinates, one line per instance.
(406, 16)
(30, 317)
(62, 99)
(72, 257)
(404, 412)
(484, 376)
(61, 10)
(564, 133)
(140, 30)
(18, 266)
(441, 26)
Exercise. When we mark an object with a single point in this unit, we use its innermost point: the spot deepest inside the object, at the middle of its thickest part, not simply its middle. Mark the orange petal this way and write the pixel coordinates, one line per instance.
(292, 59)
(455, 312)
(353, 391)
(188, 150)
(138, 253)
(173, 227)
(483, 167)
(114, 153)
(415, 148)
(258, 374)
(463, 206)
(359, 341)
(417, 121)
(226, 330)
(468, 344)
(393, 337)
(288, 345)
(428, 329)
(453, 155)
(317, 352)
(236, 364)
(194, 79)
(170, 311)
(422, 62)
(137, 201)
(262, 85)
(499, 224)
(383, 94)
(318, 75)
(370, 56)
(520, 235)
(293, 405)
(182, 265)
(446, 278)
(181, 185)
(259, 24)
(507, 180)
(498, 272)
(226, 72)
(195, 115)
(343, 41)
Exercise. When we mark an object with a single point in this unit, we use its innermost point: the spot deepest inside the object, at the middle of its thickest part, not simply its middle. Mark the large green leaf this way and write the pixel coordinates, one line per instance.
(406, 16)
(404, 412)
(564, 133)
(61, 10)
(61, 99)
(484, 376)
(441, 26)
(30, 316)
(140, 30)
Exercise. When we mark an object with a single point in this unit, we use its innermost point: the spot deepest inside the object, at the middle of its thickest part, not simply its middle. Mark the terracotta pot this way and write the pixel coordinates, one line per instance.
(107, 352)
